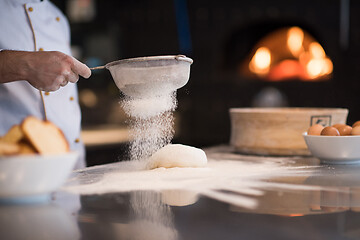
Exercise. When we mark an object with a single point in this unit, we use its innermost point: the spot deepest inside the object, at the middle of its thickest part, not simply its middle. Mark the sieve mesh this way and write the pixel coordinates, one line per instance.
(150, 76)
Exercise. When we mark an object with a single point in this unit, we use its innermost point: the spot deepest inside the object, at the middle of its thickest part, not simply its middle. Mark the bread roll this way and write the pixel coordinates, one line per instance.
(44, 136)
(26, 148)
(8, 148)
(14, 135)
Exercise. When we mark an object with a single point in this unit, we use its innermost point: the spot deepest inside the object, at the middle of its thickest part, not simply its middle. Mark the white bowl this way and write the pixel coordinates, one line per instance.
(334, 149)
(34, 175)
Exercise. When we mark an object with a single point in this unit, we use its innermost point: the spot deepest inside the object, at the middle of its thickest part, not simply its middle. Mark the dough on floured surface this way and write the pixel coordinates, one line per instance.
(177, 155)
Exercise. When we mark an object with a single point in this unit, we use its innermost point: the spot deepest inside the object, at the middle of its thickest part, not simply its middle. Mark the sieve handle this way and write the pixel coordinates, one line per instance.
(99, 67)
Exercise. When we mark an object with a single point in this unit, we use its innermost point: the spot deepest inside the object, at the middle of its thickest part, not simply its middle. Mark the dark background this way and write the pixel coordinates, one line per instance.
(218, 35)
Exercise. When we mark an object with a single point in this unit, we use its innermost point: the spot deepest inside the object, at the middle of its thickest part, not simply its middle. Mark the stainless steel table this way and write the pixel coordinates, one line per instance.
(322, 202)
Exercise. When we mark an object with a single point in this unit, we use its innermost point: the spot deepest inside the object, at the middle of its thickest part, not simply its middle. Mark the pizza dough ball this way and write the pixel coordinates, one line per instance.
(177, 155)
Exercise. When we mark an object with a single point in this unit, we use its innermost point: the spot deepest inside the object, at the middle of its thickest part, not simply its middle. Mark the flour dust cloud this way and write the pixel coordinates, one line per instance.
(151, 123)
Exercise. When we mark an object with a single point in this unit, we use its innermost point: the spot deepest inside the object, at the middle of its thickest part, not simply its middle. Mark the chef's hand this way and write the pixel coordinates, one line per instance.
(47, 71)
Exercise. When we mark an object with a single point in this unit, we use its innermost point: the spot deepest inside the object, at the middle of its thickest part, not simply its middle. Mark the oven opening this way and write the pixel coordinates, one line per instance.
(288, 53)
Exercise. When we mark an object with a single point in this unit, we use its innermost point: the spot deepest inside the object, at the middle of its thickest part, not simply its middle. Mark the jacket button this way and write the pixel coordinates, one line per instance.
(41, 49)
(77, 140)
(47, 93)
(30, 9)
(71, 98)
(57, 19)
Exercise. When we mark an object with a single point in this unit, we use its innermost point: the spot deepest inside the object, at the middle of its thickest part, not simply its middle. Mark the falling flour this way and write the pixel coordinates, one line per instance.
(151, 123)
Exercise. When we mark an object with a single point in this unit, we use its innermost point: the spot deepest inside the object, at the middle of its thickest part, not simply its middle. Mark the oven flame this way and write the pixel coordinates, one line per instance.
(319, 67)
(295, 38)
(303, 57)
(316, 50)
(317, 64)
(260, 63)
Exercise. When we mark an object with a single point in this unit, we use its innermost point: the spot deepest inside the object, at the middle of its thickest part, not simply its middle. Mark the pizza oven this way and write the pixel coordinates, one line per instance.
(271, 54)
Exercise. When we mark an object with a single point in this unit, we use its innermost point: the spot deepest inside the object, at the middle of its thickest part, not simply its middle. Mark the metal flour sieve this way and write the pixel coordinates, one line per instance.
(150, 76)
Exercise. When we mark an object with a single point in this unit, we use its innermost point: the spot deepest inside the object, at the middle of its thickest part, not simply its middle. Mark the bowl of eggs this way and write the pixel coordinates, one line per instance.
(335, 144)
(278, 131)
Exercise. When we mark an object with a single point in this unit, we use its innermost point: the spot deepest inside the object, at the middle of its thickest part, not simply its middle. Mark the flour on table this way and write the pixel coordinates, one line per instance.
(227, 177)
(177, 155)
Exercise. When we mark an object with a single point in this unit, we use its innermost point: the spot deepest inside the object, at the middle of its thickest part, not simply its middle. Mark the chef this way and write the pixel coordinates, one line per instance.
(37, 74)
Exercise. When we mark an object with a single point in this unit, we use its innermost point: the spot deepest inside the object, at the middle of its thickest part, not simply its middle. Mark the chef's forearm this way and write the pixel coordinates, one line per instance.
(44, 70)
(12, 65)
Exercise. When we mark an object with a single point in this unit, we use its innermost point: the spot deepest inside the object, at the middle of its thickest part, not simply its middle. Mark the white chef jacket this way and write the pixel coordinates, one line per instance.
(19, 99)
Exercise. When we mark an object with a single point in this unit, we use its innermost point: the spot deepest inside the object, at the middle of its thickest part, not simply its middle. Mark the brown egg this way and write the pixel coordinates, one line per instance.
(337, 125)
(315, 129)
(356, 124)
(355, 130)
(344, 130)
(330, 131)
